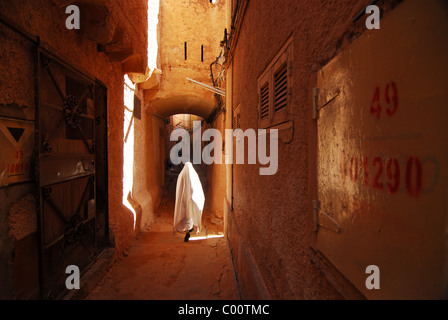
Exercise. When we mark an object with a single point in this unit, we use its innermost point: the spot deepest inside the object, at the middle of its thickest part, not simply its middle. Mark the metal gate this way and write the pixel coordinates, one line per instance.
(72, 170)
(65, 109)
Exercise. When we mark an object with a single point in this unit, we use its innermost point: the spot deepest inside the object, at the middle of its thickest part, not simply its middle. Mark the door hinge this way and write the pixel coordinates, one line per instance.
(331, 223)
(327, 95)
(316, 207)
(315, 99)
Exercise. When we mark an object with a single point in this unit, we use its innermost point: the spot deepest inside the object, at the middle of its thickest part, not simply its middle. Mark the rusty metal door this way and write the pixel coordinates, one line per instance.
(72, 170)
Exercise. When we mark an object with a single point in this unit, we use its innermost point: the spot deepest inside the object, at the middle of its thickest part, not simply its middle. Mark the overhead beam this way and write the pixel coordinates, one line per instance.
(208, 87)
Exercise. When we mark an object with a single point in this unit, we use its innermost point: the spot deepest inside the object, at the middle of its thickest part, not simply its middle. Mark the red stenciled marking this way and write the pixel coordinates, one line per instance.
(394, 99)
(392, 181)
(376, 180)
(17, 168)
(365, 166)
(354, 171)
(393, 174)
(19, 154)
(414, 176)
(391, 98)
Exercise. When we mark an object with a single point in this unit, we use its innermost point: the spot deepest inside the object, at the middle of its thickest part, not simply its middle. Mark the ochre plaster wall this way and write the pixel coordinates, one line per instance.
(273, 214)
(46, 19)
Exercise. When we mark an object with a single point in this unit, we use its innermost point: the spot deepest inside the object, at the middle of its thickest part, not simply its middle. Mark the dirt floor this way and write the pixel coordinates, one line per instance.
(161, 266)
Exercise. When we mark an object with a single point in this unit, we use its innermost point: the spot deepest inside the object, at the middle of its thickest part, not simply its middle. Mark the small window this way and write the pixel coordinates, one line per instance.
(281, 89)
(236, 118)
(275, 88)
(264, 107)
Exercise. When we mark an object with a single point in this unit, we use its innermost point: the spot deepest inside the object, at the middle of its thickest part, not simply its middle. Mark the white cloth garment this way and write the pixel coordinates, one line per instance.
(189, 200)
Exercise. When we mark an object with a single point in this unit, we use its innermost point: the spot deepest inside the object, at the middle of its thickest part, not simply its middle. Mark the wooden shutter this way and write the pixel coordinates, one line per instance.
(264, 103)
(264, 99)
(236, 118)
(281, 88)
(275, 88)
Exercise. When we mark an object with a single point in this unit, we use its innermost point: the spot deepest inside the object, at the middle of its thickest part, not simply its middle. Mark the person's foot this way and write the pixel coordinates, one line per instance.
(191, 230)
(187, 237)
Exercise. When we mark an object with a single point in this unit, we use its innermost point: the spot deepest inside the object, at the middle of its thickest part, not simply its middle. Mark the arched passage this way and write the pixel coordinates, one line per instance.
(183, 104)
(187, 108)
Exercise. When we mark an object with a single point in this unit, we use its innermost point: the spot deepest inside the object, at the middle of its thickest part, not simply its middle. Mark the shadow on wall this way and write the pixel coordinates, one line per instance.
(133, 198)
(136, 196)
(128, 147)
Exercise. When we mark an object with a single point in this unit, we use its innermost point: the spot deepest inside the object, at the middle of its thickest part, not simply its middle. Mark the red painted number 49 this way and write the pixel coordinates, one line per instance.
(390, 97)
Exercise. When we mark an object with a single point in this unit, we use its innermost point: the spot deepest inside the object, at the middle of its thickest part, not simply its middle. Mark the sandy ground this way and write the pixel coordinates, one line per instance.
(161, 266)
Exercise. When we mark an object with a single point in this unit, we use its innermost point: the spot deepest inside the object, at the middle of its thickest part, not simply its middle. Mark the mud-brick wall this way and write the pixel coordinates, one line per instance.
(186, 26)
(216, 178)
(149, 166)
(46, 19)
(273, 214)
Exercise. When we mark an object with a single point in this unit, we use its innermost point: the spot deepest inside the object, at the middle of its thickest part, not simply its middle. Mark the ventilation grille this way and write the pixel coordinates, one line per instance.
(264, 108)
(237, 121)
(281, 88)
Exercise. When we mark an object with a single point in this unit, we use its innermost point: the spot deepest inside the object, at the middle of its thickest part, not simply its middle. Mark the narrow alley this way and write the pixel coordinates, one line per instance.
(306, 140)
(161, 266)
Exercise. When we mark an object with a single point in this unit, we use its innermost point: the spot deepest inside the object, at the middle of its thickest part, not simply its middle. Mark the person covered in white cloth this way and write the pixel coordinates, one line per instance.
(189, 202)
